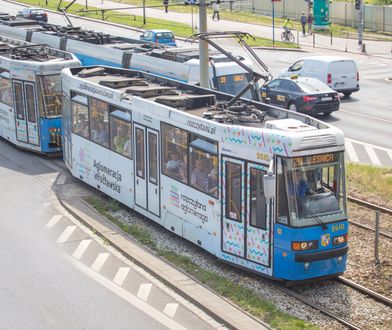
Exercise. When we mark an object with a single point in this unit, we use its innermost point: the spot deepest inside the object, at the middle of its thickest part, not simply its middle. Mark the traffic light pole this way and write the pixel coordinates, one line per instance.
(203, 46)
(359, 6)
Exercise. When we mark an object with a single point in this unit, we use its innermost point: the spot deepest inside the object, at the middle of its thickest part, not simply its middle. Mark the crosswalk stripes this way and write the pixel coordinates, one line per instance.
(144, 291)
(170, 309)
(100, 261)
(53, 220)
(351, 152)
(372, 155)
(120, 276)
(82, 247)
(66, 234)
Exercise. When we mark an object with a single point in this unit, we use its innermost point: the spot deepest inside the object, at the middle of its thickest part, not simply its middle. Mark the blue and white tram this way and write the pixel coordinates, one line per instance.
(30, 94)
(97, 48)
(257, 186)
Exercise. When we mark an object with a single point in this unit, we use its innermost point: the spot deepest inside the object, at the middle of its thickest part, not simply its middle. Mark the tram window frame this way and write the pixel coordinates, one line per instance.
(66, 111)
(174, 140)
(99, 115)
(50, 91)
(6, 96)
(152, 158)
(228, 213)
(81, 101)
(30, 103)
(140, 154)
(258, 223)
(119, 118)
(19, 100)
(281, 192)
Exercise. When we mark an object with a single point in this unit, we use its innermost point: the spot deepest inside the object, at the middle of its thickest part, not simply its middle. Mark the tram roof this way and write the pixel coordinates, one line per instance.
(21, 50)
(197, 101)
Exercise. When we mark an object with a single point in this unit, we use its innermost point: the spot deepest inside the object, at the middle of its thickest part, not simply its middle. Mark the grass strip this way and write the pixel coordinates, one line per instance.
(237, 293)
(179, 29)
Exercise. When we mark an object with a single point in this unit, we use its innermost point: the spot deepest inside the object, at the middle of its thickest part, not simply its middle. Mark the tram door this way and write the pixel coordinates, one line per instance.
(26, 112)
(147, 181)
(258, 210)
(233, 213)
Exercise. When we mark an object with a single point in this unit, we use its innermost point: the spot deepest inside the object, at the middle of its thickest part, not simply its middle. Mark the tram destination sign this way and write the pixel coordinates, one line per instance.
(315, 159)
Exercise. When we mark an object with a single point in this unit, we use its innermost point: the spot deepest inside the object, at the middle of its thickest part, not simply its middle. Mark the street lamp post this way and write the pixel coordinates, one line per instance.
(203, 46)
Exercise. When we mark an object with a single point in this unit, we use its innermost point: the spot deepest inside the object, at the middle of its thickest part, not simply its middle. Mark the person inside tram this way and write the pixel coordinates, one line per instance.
(302, 185)
(120, 139)
(128, 144)
(212, 182)
(101, 134)
(81, 126)
(199, 175)
(173, 165)
(183, 170)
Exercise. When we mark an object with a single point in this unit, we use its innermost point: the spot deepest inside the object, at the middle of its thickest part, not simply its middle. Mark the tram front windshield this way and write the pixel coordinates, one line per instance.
(234, 83)
(311, 190)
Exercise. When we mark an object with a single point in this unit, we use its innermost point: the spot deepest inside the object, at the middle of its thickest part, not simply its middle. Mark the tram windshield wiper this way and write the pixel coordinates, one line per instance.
(314, 216)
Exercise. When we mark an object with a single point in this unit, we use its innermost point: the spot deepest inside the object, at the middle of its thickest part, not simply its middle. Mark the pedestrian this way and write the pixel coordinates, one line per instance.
(215, 7)
(304, 21)
(166, 4)
(310, 22)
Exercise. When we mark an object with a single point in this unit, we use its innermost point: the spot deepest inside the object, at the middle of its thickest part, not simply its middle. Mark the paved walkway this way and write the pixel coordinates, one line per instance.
(376, 48)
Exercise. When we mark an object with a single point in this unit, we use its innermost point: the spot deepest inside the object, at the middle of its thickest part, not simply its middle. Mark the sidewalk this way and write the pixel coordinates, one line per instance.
(383, 48)
(71, 195)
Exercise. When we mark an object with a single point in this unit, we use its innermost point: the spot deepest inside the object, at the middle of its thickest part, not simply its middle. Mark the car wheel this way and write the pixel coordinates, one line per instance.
(292, 107)
(327, 114)
(347, 94)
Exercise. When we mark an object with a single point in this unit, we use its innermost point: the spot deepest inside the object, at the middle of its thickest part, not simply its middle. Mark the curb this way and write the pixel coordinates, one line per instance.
(191, 289)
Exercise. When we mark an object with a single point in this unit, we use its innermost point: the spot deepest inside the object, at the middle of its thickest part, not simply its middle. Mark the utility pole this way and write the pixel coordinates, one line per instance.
(359, 7)
(203, 47)
(144, 12)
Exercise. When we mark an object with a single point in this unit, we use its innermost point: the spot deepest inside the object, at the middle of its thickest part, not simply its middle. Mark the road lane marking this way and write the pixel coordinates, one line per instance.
(66, 234)
(372, 155)
(369, 144)
(100, 261)
(53, 220)
(128, 297)
(120, 276)
(351, 152)
(170, 309)
(366, 116)
(144, 291)
(82, 247)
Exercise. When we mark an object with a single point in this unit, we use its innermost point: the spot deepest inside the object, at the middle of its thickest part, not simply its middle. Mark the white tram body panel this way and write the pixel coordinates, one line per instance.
(193, 214)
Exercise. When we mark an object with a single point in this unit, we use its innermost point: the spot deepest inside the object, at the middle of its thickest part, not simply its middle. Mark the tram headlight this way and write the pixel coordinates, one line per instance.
(337, 240)
(304, 246)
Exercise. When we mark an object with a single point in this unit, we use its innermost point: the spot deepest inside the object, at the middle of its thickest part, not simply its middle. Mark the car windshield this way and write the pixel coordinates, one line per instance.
(313, 86)
(311, 189)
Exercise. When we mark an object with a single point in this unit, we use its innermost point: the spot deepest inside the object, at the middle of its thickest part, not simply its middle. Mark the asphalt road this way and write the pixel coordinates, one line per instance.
(365, 117)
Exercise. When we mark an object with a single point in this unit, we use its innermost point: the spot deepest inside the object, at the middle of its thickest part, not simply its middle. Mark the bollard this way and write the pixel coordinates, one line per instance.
(377, 238)
(331, 38)
(363, 48)
(314, 39)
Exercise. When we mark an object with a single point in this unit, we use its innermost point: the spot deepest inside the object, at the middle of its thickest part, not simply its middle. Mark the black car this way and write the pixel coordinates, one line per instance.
(36, 14)
(306, 95)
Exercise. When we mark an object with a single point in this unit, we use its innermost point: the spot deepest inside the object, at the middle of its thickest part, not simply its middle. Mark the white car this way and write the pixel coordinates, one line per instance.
(339, 73)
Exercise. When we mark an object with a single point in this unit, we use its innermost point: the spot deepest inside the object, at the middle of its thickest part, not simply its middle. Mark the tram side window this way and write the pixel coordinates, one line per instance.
(258, 211)
(121, 135)
(66, 116)
(5, 90)
(233, 191)
(140, 153)
(282, 201)
(30, 103)
(99, 121)
(203, 164)
(80, 120)
(18, 90)
(51, 95)
(153, 158)
(174, 152)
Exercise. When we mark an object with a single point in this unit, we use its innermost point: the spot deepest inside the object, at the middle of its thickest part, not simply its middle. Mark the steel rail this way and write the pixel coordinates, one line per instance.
(374, 295)
(369, 205)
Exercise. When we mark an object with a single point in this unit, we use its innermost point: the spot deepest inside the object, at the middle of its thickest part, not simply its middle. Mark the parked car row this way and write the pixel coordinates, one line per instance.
(311, 85)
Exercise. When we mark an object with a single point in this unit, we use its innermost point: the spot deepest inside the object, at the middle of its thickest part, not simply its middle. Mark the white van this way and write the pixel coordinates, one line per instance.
(339, 73)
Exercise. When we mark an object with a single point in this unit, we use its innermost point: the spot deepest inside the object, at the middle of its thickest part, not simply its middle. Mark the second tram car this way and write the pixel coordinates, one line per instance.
(257, 186)
(30, 94)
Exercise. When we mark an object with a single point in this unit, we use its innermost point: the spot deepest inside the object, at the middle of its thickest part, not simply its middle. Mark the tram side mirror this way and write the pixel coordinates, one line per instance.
(269, 185)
